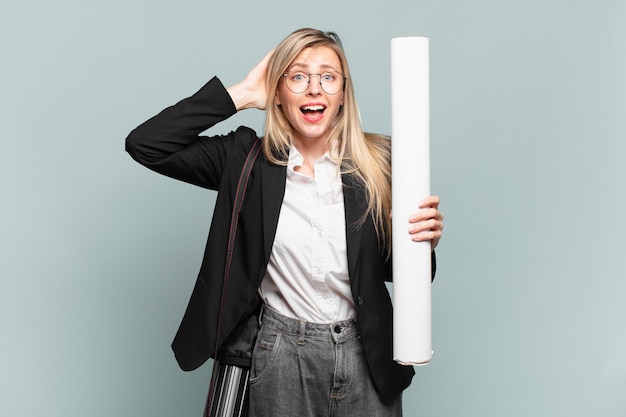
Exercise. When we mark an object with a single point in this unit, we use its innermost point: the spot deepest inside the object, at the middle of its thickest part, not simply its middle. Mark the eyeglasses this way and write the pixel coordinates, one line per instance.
(331, 82)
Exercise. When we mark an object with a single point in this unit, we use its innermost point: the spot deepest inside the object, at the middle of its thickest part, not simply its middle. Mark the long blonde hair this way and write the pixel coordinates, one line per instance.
(365, 155)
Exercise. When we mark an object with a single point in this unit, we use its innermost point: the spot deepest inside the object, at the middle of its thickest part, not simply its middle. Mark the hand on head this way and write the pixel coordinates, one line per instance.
(252, 91)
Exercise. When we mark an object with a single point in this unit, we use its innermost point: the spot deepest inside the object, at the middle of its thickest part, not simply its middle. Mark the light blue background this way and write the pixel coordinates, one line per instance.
(99, 255)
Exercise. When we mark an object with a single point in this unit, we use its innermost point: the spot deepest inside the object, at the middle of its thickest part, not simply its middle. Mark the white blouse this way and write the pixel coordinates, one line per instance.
(307, 275)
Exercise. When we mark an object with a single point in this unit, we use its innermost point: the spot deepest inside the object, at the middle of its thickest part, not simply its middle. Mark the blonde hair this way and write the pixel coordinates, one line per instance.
(365, 155)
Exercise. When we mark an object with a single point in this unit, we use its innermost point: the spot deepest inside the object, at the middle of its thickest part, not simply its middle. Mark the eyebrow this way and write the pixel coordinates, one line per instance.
(306, 66)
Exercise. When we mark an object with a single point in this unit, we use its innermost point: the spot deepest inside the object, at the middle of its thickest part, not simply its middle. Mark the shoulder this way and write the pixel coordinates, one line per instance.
(245, 139)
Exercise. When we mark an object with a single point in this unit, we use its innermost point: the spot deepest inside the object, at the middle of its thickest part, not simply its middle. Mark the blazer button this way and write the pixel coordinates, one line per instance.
(359, 300)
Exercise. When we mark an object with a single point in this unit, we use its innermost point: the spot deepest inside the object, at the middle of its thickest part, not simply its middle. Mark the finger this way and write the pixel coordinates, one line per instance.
(426, 214)
(431, 225)
(433, 235)
(430, 201)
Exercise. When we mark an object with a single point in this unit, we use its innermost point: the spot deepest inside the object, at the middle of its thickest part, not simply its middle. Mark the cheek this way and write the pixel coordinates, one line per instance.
(283, 96)
(339, 107)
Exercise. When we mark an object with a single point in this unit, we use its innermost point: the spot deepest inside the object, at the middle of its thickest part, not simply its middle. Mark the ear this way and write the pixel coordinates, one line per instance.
(277, 98)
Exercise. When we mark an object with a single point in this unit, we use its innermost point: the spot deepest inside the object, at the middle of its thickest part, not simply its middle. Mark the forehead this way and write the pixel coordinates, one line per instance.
(317, 57)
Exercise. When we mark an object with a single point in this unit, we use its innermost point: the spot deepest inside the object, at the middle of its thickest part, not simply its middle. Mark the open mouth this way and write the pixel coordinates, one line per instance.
(311, 110)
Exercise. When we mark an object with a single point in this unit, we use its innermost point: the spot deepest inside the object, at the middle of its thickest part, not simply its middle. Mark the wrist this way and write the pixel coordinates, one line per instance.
(241, 96)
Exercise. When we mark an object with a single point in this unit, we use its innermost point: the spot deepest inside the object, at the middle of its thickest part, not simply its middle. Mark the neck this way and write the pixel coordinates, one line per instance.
(311, 151)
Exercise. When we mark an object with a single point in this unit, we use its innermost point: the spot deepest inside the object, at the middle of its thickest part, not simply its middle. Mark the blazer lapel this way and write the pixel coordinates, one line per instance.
(354, 206)
(273, 191)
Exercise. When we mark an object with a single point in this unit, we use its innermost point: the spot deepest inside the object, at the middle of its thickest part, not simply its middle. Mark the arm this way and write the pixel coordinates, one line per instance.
(169, 143)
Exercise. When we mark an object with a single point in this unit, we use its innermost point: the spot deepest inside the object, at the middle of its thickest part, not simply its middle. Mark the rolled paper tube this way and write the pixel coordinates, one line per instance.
(410, 156)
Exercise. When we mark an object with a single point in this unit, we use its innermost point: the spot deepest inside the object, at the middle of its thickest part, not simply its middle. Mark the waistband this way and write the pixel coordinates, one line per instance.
(337, 331)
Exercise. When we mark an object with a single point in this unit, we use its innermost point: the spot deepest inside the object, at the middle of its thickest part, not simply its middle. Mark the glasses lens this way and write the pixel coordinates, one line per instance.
(298, 81)
(332, 82)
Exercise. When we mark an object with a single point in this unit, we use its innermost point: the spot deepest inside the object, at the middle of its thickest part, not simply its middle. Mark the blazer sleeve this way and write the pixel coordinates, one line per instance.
(170, 142)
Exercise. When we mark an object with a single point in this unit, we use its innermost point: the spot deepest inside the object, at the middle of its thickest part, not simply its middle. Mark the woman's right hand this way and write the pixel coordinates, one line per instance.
(252, 91)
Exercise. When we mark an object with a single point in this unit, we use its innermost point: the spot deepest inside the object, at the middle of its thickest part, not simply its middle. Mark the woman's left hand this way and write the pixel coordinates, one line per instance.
(427, 224)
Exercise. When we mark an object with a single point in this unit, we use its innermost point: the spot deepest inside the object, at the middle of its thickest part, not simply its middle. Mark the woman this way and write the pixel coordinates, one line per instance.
(312, 250)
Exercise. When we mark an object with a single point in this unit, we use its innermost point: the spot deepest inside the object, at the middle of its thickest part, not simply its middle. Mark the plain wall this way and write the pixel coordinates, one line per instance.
(98, 255)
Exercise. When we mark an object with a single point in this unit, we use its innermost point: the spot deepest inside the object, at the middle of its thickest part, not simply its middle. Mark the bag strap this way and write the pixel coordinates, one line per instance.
(234, 219)
(242, 185)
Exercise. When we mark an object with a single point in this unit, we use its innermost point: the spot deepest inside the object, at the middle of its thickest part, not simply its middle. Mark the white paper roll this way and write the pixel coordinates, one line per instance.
(410, 154)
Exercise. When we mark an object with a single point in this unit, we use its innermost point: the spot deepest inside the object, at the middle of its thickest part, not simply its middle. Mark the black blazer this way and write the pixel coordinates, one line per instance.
(169, 143)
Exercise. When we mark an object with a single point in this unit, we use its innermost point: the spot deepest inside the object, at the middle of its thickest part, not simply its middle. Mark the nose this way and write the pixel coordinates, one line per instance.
(315, 86)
